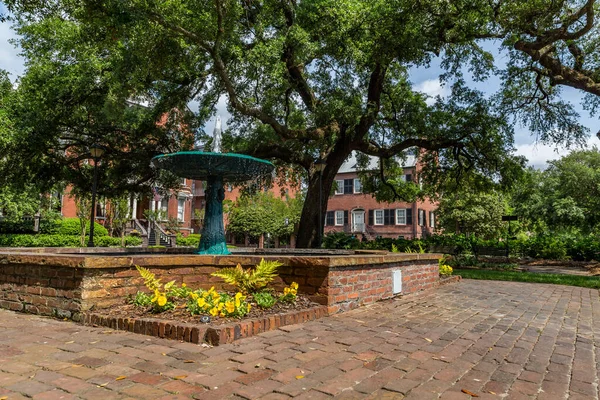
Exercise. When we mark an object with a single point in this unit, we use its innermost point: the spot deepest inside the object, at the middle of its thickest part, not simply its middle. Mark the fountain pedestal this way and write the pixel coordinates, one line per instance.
(212, 240)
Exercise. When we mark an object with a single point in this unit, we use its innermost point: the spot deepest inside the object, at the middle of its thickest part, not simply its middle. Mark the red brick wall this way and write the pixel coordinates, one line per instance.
(354, 287)
(68, 286)
(41, 289)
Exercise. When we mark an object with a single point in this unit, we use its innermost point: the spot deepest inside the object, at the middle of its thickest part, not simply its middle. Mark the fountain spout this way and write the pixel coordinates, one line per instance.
(217, 134)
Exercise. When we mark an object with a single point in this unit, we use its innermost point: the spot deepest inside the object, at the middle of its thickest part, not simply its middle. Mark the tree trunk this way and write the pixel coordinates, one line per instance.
(311, 229)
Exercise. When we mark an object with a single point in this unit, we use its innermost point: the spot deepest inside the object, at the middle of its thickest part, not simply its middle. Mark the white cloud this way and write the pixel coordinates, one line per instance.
(539, 154)
(9, 58)
(432, 88)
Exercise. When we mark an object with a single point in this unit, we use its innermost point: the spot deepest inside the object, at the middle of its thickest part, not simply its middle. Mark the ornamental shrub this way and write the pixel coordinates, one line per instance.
(445, 270)
(71, 226)
(41, 240)
(192, 240)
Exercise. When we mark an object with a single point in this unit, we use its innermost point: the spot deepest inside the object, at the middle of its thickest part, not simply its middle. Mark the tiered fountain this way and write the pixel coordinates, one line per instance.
(215, 168)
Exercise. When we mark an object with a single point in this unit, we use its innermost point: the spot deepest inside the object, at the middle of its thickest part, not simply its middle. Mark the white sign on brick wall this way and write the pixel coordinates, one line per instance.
(397, 281)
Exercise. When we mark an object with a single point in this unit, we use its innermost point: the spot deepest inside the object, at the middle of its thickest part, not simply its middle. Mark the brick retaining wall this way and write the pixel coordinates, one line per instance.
(66, 285)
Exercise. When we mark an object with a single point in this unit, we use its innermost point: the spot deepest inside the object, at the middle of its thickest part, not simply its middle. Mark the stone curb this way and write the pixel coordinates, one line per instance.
(448, 280)
(195, 333)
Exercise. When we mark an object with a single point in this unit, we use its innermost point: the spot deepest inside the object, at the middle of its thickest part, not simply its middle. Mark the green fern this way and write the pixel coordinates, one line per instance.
(249, 281)
(149, 278)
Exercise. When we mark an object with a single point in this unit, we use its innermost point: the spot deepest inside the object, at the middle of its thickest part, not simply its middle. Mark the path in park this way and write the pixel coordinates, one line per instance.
(488, 338)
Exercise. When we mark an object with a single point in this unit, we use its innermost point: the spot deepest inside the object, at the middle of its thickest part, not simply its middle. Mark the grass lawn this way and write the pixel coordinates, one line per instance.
(557, 279)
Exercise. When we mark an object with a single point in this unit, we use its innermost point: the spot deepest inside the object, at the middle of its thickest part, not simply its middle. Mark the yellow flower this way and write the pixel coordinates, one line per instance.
(214, 311)
(162, 300)
(293, 291)
(205, 294)
(222, 314)
(201, 302)
(248, 307)
(238, 295)
(294, 286)
(220, 306)
(230, 307)
(237, 302)
(194, 296)
(286, 291)
(183, 285)
(156, 296)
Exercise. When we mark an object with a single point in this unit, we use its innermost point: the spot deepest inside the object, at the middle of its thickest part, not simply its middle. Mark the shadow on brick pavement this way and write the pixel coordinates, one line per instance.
(493, 339)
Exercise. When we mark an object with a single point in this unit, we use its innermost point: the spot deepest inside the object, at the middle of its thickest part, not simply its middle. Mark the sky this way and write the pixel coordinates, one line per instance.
(424, 80)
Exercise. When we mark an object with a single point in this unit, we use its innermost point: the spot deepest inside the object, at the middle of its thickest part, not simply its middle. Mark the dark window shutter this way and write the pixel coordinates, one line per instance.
(393, 217)
(371, 222)
(348, 186)
(345, 217)
(408, 178)
(409, 216)
(386, 217)
(424, 218)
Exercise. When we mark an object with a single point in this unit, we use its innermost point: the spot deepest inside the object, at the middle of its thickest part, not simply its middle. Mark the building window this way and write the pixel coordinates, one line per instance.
(182, 181)
(164, 206)
(348, 186)
(180, 208)
(422, 221)
(401, 216)
(431, 219)
(357, 186)
(339, 187)
(378, 217)
(329, 218)
(408, 178)
(339, 218)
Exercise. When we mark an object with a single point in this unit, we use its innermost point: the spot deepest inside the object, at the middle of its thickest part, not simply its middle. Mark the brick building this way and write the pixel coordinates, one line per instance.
(184, 204)
(352, 211)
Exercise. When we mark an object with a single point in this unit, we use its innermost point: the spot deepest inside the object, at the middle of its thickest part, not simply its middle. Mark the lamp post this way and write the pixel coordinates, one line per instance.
(96, 151)
(320, 165)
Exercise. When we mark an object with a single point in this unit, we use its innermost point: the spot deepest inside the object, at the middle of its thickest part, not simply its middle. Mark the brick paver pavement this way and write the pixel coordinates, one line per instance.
(493, 339)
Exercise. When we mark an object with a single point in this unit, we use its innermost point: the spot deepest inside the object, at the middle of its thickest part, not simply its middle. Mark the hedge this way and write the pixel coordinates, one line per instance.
(550, 246)
(70, 226)
(44, 240)
(192, 240)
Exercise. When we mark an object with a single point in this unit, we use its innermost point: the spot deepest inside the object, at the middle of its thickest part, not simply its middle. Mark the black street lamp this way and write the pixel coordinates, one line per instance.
(96, 151)
(320, 165)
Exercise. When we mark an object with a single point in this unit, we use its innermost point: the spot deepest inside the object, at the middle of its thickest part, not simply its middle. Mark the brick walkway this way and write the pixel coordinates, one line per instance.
(488, 338)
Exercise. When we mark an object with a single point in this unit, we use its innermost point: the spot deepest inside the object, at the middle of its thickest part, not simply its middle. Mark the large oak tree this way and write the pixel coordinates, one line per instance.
(316, 79)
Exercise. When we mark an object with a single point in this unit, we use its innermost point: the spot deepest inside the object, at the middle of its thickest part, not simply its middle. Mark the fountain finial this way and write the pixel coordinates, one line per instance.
(216, 144)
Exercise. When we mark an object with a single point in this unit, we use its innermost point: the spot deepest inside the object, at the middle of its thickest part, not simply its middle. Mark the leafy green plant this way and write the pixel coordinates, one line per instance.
(161, 297)
(249, 281)
(191, 240)
(395, 249)
(264, 299)
(140, 299)
(340, 240)
(182, 292)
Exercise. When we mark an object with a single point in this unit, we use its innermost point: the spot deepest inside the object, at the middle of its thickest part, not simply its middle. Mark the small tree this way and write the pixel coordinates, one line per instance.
(119, 210)
(84, 208)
